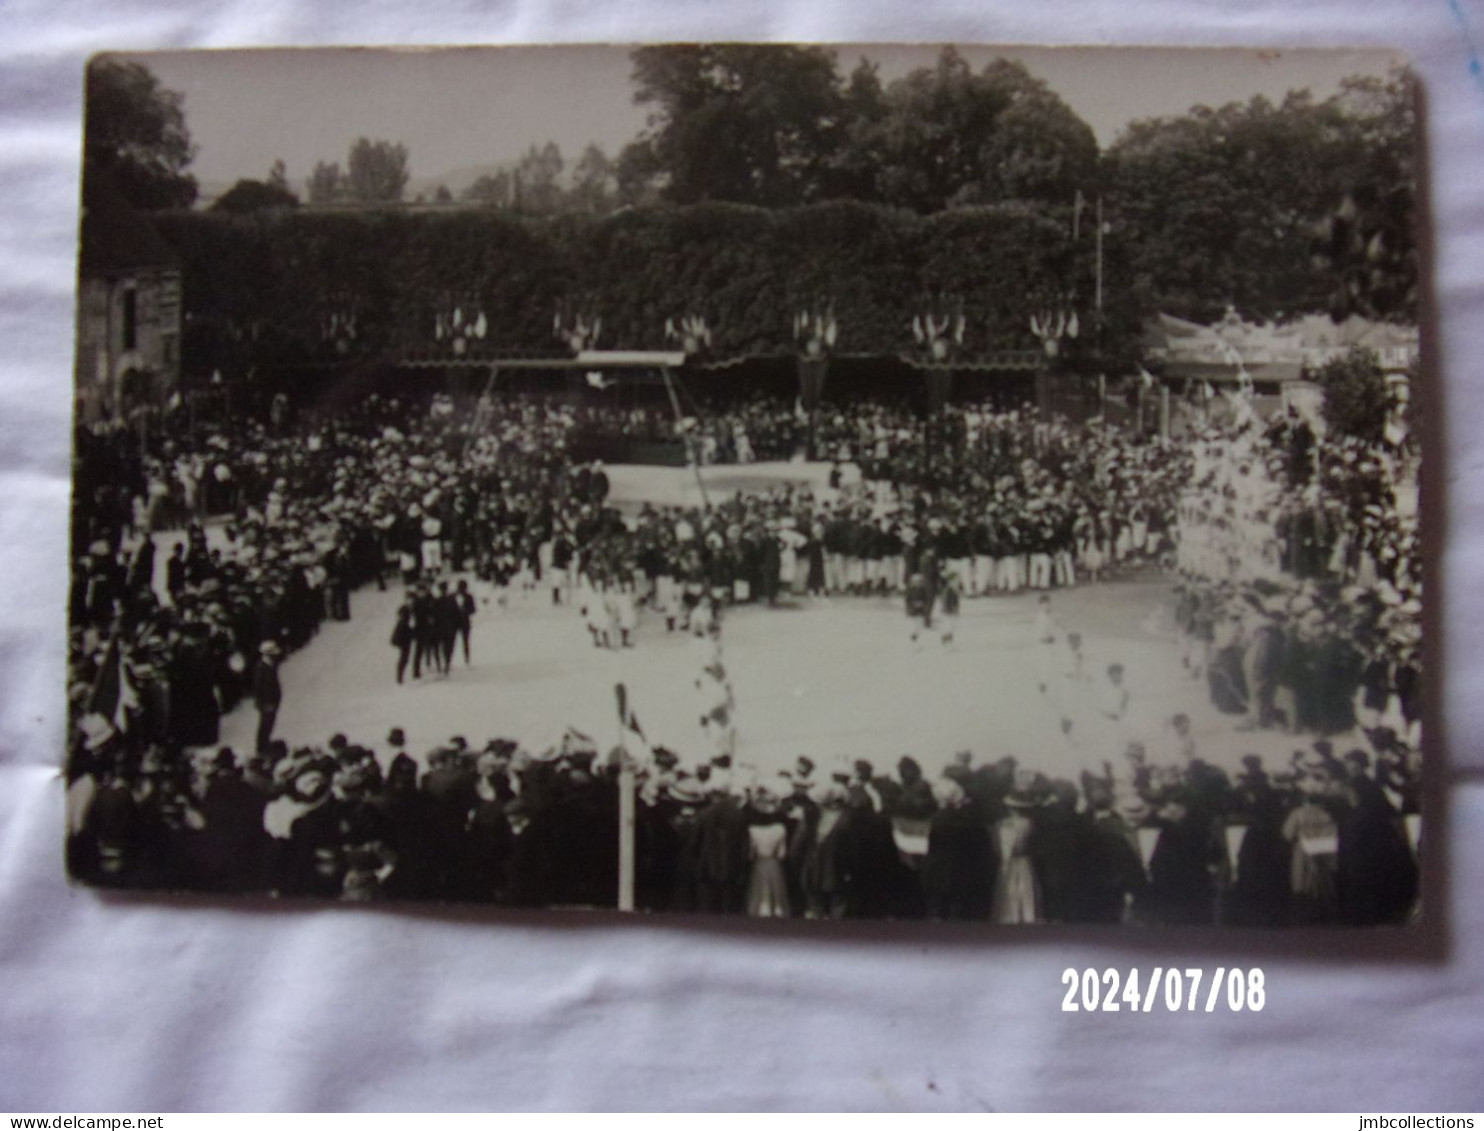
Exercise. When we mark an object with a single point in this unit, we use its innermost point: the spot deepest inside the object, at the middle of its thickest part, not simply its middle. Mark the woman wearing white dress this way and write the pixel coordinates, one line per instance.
(628, 614)
(767, 836)
(1139, 532)
(789, 543)
(1017, 894)
(594, 613)
(1086, 559)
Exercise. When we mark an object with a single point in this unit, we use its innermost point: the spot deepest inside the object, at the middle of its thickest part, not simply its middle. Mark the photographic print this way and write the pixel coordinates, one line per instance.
(815, 482)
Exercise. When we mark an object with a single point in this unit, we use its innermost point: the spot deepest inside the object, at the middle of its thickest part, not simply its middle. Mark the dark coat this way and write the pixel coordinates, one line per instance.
(869, 868)
(958, 874)
(1376, 875)
(1181, 889)
(720, 851)
(267, 692)
(412, 817)
(467, 607)
(402, 634)
(1054, 849)
(227, 854)
(1108, 870)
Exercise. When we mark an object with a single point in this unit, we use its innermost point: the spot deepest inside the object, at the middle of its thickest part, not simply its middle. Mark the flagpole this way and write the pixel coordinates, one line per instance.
(108, 654)
(481, 420)
(626, 820)
(690, 450)
(1099, 293)
(625, 832)
(1098, 312)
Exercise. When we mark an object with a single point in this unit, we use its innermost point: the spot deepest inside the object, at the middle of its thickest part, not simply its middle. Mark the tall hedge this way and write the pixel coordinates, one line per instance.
(747, 270)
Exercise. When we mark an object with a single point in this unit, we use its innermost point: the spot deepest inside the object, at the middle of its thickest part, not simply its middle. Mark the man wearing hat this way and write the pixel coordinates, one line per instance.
(267, 693)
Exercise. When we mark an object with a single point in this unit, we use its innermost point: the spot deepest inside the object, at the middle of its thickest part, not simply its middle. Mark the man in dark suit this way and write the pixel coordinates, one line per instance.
(425, 631)
(267, 693)
(467, 607)
(448, 616)
(402, 637)
(719, 847)
(599, 483)
(175, 572)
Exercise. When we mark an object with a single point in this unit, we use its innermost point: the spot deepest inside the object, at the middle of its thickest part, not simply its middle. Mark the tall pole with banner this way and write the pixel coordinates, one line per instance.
(690, 441)
(1097, 301)
(938, 329)
(693, 335)
(816, 331)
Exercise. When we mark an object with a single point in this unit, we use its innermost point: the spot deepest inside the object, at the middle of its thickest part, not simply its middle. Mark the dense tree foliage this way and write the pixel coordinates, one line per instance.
(538, 179)
(1275, 208)
(376, 172)
(1278, 210)
(747, 270)
(767, 182)
(326, 184)
(593, 182)
(749, 123)
(1356, 398)
(778, 126)
(494, 189)
(135, 134)
(947, 136)
(254, 196)
(1368, 242)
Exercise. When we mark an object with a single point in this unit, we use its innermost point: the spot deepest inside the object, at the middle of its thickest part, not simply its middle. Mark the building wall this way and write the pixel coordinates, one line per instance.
(127, 323)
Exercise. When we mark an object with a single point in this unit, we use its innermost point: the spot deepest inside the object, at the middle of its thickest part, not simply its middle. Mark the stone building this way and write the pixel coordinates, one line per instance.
(128, 311)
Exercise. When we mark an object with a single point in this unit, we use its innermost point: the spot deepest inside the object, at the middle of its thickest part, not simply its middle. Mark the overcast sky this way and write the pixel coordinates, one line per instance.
(454, 108)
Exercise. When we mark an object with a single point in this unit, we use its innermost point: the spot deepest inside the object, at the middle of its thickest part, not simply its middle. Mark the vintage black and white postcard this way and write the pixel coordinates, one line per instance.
(895, 482)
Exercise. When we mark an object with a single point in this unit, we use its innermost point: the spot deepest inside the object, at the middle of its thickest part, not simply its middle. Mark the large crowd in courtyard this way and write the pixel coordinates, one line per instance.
(1298, 599)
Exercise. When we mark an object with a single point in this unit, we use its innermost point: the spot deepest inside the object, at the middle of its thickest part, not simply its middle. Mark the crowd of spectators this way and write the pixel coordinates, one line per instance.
(1302, 577)
(1322, 840)
(1299, 603)
(309, 513)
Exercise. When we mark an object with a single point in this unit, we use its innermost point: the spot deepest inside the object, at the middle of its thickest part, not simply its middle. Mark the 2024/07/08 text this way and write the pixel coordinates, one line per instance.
(1171, 989)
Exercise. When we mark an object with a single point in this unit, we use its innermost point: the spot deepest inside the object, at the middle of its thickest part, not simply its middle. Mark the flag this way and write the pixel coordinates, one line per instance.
(113, 695)
(1078, 204)
(576, 739)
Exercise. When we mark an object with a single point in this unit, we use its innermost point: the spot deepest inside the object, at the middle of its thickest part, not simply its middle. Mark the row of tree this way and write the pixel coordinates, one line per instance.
(378, 172)
(1276, 209)
(780, 126)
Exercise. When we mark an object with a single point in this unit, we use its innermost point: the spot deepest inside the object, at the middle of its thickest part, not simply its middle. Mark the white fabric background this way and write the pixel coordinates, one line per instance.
(153, 1005)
